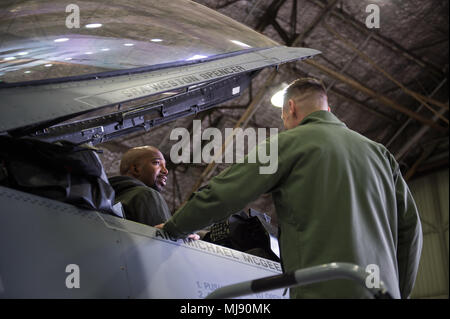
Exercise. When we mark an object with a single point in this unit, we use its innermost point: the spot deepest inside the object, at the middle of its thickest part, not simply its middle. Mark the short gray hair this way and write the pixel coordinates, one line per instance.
(302, 86)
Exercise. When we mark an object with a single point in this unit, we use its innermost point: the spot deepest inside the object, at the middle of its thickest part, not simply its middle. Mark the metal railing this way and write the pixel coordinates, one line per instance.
(302, 277)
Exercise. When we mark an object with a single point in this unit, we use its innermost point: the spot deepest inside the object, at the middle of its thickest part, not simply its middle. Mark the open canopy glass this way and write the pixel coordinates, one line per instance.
(42, 40)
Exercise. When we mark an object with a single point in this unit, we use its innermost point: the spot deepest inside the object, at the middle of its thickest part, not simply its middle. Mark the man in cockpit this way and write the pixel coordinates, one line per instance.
(143, 175)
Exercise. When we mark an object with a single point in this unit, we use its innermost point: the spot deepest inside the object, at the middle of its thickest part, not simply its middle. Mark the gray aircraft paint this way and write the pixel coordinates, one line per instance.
(21, 106)
(116, 258)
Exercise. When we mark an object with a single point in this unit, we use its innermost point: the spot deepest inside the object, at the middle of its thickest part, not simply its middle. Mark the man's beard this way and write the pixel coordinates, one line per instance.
(158, 184)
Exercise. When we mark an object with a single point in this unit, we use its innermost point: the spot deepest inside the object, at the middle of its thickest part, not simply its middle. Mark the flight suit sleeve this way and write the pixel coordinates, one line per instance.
(148, 207)
(410, 236)
(228, 192)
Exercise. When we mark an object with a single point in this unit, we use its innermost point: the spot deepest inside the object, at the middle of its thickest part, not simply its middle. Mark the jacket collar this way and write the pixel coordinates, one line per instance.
(125, 182)
(323, 117)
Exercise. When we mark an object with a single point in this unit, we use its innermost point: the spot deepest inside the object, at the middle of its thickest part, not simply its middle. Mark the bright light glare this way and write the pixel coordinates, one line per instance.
(278, 98)
(196, 57)
(93, 25)
(105, 49)
(22, 53)
(10, 58)
(48, 65)
(156, 40)
(61, 40)
(128, 44)
(240, 43)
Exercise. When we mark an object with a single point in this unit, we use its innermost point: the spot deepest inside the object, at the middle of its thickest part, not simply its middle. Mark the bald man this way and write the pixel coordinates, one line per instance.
(143, 176)
(339, 197)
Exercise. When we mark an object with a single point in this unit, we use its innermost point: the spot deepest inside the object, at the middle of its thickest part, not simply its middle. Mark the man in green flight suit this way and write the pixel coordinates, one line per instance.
(339, 197)
(143, 176)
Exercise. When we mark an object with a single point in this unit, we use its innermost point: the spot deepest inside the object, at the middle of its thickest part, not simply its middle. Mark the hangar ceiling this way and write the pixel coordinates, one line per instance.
(388, 83)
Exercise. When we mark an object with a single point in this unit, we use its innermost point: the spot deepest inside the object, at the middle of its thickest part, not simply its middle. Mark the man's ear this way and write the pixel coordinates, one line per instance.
(292, 109)
(135, 170)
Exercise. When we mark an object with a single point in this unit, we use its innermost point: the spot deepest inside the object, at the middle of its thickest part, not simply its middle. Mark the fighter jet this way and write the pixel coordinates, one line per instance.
(93, 71)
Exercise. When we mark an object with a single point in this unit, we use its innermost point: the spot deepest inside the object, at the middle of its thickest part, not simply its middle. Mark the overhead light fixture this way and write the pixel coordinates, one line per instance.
(277, 99)
(156, 40)
(104, 49)
(89, 52)
(128, 44)
(48, 65)
(10, 58)
(93, 25)
(27, 72)
(22, 53)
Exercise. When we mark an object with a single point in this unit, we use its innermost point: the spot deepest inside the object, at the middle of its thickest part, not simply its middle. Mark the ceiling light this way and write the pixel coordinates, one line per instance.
(22, 53)
(10, 58)
(48, 65)
(128, 44)
(156, 40)
(278, 98)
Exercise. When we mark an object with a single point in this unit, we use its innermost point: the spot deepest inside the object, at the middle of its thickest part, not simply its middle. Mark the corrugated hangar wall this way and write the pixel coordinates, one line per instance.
(431, 193)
